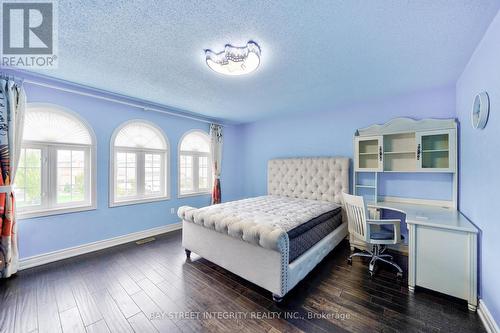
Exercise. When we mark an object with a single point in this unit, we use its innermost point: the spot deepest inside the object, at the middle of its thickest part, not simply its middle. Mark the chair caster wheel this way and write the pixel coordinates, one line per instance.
(349, 261)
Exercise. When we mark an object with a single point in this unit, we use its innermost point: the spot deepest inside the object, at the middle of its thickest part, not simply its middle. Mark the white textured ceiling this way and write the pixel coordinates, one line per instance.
(315, 54)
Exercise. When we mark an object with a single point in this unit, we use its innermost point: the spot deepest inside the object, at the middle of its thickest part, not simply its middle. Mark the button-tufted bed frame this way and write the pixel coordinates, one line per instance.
(322, 178)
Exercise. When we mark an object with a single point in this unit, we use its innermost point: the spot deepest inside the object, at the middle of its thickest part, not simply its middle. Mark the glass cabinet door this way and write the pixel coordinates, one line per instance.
(369, 154)
(436, 151)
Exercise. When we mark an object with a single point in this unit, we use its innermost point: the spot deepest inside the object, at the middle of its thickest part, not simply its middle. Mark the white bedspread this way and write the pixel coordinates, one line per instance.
(261, 220)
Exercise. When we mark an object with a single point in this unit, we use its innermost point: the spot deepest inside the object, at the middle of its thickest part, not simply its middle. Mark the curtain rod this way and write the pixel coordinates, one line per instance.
(111, 99)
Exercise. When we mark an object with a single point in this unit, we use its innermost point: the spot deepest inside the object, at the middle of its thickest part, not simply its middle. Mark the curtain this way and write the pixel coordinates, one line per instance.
(12, 110)
(216, 150)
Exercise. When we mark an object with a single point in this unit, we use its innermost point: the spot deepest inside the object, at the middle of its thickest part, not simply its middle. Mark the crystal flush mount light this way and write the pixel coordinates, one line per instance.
(234, 60)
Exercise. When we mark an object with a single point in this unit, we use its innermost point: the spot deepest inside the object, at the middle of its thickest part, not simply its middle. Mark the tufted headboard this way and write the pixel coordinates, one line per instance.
(316, 178)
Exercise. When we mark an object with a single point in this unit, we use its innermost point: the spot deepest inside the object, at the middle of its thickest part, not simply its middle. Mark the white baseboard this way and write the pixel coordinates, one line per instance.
(487, 319)
(49, 257)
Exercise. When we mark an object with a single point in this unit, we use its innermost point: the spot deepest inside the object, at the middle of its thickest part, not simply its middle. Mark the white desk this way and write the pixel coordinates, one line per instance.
(442, 249)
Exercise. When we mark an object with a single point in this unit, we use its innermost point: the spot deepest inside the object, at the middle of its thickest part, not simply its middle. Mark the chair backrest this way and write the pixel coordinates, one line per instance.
(356, 215)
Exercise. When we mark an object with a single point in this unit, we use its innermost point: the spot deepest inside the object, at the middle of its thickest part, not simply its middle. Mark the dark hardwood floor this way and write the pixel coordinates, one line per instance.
(151, 287)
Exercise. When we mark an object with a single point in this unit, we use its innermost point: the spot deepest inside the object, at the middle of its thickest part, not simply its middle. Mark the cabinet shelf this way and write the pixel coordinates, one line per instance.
(398, 152)
(435, 151)
(367, 154)
(366, 186)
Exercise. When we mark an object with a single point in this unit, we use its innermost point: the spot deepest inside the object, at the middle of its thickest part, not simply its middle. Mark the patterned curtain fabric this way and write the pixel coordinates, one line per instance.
(12, 108)
(216, 149)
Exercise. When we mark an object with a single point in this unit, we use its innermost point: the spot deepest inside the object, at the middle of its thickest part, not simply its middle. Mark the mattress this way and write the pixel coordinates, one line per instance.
(306, 235)
(268, 221)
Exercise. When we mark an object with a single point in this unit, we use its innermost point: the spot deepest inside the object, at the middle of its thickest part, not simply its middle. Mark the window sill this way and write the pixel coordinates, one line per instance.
(55, 211)
(194, 194)
(136, 201)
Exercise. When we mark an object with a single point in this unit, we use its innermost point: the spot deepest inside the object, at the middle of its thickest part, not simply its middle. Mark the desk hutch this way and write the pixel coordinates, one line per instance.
(442, 243)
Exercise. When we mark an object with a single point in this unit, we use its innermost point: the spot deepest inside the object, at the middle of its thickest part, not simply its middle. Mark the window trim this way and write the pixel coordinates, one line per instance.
(194, 154)
(48, 172)
(32, 210)
(112, 202)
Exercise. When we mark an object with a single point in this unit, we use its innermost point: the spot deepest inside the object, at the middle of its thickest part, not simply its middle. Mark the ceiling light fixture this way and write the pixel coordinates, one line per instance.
(234, 60)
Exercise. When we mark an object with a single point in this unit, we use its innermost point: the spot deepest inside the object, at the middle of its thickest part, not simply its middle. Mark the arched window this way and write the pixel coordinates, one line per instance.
(139, 164)
(56, 171)
(195, 172)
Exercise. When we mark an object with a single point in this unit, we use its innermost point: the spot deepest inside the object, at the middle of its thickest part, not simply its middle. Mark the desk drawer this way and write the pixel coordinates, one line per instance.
(442, 260)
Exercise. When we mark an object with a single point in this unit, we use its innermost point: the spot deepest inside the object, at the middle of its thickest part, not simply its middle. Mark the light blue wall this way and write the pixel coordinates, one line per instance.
(331, 132)
(233, 171)
(480, 158)
(41, 235)
(432, 186)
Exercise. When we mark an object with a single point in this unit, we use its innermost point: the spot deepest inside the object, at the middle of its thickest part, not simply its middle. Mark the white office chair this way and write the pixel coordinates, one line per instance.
(360, 227)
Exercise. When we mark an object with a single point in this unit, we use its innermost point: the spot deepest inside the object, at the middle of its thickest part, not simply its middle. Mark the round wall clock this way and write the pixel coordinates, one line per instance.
(480, 110)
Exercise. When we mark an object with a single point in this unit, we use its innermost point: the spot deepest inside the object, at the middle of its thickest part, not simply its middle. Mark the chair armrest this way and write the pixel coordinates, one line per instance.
(395, 222)
(385, 221)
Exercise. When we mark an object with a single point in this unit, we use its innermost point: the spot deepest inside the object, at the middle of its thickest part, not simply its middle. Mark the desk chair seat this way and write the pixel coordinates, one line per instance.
(384, 234)
(360, 226)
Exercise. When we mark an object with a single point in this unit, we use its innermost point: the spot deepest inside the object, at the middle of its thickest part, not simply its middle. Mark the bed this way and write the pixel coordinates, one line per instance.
(275, 240)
